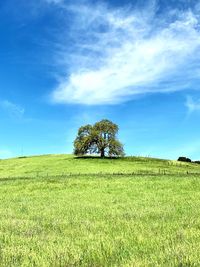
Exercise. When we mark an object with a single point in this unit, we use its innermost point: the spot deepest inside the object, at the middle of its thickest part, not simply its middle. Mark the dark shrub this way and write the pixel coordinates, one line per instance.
(196, 161)
(184, 159)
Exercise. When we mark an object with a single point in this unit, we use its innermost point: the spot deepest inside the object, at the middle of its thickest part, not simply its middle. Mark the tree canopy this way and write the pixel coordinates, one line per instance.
(100, 138)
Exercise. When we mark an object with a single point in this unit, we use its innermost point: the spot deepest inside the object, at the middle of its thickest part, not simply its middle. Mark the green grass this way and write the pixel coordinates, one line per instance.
(67, 164)
(98, 220)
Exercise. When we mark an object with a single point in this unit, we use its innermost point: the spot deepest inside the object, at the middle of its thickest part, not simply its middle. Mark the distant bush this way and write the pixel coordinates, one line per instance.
(184, 159)
(196, 161)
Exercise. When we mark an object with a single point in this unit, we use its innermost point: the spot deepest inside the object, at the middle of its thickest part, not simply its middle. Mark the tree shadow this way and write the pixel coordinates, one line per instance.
(96, 157)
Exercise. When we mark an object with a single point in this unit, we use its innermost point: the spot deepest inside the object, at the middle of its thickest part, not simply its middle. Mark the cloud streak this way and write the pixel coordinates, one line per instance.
(54, 1)
(118, 54)
(192, 104)
(12, 109)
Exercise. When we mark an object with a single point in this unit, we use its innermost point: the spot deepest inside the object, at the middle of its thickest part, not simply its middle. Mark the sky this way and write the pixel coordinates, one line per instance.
(68, 63)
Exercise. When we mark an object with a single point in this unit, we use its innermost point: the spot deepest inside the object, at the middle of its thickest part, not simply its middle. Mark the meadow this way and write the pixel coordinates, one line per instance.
(50, 165)
(57, 210)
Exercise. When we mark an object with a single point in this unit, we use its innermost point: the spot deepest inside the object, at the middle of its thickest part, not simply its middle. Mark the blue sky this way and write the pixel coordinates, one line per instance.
(68, 63)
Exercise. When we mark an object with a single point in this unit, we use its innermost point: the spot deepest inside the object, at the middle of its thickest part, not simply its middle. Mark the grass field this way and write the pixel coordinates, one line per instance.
(49, 165)
(95, 218)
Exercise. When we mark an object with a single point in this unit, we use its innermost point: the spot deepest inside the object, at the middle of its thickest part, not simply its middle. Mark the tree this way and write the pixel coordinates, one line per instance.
(99, 138)
(184, 159)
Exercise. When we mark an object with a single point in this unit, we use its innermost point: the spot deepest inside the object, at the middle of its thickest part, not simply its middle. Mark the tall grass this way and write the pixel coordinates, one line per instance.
(111, 221)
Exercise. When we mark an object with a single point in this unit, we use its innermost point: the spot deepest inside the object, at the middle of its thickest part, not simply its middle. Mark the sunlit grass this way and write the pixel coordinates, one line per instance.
(57, 210)
(93, 221)
(67, 164)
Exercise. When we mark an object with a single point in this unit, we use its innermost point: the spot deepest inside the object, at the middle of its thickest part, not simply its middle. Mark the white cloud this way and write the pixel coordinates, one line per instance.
(12, 108)
(119, 54)
(192, 104)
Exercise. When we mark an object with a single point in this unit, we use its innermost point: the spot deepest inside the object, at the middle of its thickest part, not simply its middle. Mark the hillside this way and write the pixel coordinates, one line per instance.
(50, 165)
(56, 212)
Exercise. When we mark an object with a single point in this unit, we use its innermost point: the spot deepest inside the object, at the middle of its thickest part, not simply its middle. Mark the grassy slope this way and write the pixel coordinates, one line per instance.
(98, 221)
(65, 164)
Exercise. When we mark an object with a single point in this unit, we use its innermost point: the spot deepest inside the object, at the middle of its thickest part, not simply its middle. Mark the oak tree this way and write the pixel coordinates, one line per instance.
(100, 138)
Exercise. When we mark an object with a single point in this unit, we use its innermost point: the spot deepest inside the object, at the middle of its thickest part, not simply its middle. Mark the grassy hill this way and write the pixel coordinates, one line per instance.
(99, 212)
(67, 164)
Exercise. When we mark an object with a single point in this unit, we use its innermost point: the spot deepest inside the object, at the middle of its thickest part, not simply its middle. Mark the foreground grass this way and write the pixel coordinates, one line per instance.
(67, 164)
(107, 221)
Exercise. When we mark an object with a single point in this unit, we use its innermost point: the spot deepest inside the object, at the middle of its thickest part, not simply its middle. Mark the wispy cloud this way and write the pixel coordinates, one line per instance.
(117, 54)
(54, 1)
(192, 104)
(12, 109)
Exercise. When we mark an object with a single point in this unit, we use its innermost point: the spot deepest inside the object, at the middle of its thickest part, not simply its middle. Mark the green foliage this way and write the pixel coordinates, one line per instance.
(98, 139)
(184, 159)
(83, 142)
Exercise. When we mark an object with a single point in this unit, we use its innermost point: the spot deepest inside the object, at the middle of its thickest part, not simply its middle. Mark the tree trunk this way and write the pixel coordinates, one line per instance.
(102, 153)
